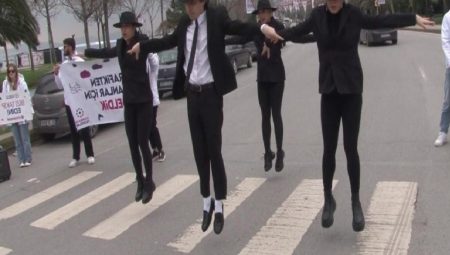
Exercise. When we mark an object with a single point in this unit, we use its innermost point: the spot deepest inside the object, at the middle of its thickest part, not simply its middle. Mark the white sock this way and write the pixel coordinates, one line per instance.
(218, 206)
(206, 203)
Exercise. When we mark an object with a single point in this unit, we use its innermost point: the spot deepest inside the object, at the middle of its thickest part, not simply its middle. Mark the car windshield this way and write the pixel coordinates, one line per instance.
(168, 57)
(47, 85)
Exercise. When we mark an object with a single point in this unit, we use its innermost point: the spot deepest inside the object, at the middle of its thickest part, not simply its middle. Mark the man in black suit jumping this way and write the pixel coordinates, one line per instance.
(204, 74)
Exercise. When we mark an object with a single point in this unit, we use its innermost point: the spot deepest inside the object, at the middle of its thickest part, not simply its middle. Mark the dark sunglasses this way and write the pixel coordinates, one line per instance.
(11, 71)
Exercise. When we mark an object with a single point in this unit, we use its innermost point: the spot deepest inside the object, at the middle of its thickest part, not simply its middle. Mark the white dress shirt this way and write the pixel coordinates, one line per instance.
(153, 70)
(201, 70)
(445, 36)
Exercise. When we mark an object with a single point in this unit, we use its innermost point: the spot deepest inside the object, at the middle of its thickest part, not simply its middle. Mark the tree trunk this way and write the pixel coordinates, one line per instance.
(31, 58)
(98, 34)
(392, 6)
(105, 10)
(6, 55)
(161, 5)
(86, 34)
(50, 35)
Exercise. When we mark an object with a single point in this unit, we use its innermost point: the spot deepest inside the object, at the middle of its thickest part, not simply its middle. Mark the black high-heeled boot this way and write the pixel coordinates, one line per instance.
(149, 187)
(140, 190)
(328, 211)
(268, 157)
(358, 222)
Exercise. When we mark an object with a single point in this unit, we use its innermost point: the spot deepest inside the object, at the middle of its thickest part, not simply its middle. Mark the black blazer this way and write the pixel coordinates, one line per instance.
(340, 67)
(135, 79)
(219, 24)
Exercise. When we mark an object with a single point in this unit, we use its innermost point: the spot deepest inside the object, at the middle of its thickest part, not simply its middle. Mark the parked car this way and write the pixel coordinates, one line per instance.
(238, 56)
(371, 37)
(250, 46)
(167, 70)
(50, 116)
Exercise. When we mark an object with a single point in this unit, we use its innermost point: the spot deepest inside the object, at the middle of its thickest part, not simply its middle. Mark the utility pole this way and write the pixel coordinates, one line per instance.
(162, 14)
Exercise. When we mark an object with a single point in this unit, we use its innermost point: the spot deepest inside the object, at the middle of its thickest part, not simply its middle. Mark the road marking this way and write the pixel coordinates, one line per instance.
(45, 195)
(422, 73)
(52, 220)
(133, 213)
(285, 229)
(193, 235)
(4, 251)
(389, 219)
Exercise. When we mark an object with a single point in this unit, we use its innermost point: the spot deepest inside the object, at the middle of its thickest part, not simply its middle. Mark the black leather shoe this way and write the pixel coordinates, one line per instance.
(149, 187)
(279, 163)
(268, 157)
(358, 222)
(207, 216)
(328, 211)
(218, 222)
(139, 191)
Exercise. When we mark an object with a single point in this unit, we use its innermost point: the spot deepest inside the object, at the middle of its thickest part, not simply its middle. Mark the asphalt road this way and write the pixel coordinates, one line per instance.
(51, 209)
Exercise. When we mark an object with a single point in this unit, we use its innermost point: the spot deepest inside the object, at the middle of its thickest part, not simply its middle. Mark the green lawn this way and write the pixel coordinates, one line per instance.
(31, 77)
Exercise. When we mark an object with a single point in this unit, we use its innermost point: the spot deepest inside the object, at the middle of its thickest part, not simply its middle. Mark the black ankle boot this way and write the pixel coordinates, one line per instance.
(140, 190)
(358, 222)
(328, 211)
(279, 163)
(268, 157)
(149, 187)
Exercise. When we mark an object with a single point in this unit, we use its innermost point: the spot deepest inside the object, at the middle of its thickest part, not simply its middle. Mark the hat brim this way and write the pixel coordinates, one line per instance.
(136, 24)
(257, 10)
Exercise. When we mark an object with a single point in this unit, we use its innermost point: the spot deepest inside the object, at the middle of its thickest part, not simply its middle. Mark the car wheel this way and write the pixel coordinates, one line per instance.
(368, 43)
(47, 137)
(249, 61)
(93, 130)
(235, 67)
(394, 41)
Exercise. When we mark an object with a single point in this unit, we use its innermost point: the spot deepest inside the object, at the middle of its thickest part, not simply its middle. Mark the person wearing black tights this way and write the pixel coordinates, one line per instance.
(138, 101)
(336, 27)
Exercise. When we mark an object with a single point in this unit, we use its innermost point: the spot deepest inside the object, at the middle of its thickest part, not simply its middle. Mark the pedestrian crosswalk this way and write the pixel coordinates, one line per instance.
(388, 217)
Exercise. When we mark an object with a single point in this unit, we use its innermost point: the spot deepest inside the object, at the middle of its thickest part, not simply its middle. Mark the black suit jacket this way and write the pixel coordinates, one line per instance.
(340, 66)
(135, 79)
(219, 24)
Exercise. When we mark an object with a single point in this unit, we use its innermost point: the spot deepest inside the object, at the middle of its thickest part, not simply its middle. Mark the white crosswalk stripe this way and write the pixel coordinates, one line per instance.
(133, 213)
(285, 229)
(4, 251)
(389, 219)
(45, 195)
(77, 206)
(194, 235)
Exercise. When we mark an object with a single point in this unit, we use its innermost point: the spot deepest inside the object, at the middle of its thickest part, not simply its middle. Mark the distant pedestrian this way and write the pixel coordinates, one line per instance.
(21, 134)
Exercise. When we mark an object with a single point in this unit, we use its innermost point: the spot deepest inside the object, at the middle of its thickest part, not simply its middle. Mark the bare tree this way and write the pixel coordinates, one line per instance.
(138, 7)
(83, 11)
(152, 12)
(47, 9)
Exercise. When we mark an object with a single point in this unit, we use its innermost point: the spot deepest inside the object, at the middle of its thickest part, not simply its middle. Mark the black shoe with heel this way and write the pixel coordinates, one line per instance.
(219, 221)
(207, 216)
(279, 163)
(149, 188)
(328, 211)
(268, 157)
(139, 191)
(358, 222)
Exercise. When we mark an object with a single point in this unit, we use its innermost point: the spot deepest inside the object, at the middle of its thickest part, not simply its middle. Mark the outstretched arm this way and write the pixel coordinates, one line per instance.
(142, 49)
(101, 53)
(394, 21)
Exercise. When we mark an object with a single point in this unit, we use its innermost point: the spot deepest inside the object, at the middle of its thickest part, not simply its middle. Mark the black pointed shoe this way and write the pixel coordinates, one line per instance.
(268, 157)
(328, 211)
(149, 188)
(279, 163)
(218, 222)
(358, 222)
(207, 216)
(139, 191)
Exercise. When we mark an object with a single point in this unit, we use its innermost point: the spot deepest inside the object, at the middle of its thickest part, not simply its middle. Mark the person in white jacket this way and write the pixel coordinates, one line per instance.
(155, 138)
(445, 115)
(69, 52)
(21, 133)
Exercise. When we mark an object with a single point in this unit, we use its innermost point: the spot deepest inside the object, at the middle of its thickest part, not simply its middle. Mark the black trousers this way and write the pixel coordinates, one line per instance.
(205, 114)
(138, 121)
(270, 97)
(75, 136)
(335, 107)
(155, 138)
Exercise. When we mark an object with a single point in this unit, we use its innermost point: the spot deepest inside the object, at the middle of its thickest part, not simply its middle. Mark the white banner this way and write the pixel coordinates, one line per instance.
(93, 90)
(15, 107)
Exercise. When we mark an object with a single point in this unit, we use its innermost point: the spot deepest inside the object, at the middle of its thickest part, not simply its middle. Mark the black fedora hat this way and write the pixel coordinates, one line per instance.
(264, 5)
(127, 18)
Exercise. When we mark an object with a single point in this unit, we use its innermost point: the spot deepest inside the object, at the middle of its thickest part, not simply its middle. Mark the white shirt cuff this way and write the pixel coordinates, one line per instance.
(262, 26)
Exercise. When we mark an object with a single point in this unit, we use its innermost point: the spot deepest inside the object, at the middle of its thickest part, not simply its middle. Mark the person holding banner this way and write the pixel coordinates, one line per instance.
(75, 135)
(15, 81)
(205, 74)
(155, 137)
(336, 26)
(138, 100)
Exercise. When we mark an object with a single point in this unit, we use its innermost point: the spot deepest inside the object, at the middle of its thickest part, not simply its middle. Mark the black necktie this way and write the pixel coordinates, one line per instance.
(192, 55)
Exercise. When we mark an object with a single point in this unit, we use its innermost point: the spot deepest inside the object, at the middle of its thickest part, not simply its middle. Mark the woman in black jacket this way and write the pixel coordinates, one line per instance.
(336, 27)
(138, 100)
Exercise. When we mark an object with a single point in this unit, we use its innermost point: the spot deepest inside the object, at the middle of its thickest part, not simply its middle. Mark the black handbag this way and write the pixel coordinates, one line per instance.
(5, 170)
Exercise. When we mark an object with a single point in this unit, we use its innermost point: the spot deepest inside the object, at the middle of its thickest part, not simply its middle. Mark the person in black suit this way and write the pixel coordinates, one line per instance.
(205, 74)
(337, 26)
(138, 101)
